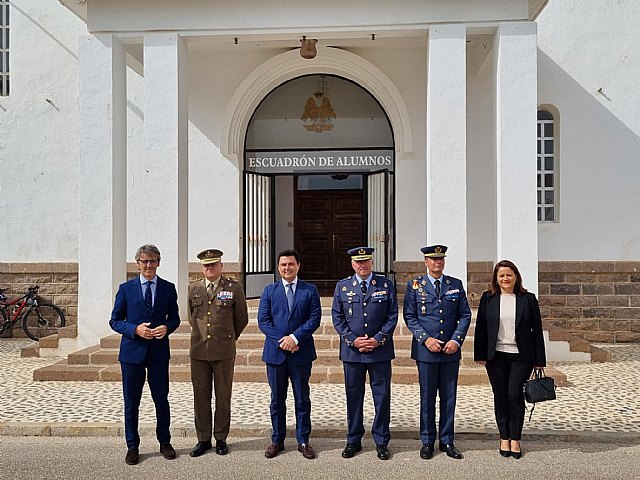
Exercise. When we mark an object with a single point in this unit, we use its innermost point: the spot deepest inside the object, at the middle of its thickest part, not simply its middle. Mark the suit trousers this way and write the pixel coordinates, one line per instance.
(438, 378)
(278, 376)
(205, 377)
(380, 381)
(133, 378)
(507, 373)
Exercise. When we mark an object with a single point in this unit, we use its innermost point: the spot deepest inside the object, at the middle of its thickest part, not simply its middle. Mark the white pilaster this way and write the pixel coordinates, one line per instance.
(165, 155)
(516, 103)
(447, 144)
(101, 182)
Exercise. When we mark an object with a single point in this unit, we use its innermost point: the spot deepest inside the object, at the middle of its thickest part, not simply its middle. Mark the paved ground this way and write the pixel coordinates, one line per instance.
(65, 458)
(601, 403)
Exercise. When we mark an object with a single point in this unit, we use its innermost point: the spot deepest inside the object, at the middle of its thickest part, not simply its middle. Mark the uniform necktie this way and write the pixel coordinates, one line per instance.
(437, 285)
(363, 286)
(290, 296)
(148, 299)
(210, 290)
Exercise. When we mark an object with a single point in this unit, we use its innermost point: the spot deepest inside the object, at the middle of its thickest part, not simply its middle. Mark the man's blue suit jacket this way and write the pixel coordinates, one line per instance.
(129, 311)
(275, 321)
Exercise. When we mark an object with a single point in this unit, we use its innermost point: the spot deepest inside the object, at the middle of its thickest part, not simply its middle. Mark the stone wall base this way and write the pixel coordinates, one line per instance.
(598, 301)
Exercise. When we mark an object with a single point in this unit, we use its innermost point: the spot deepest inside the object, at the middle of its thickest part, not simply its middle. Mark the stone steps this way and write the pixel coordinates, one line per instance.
(100, 362)
(244, 357)
(63, 371)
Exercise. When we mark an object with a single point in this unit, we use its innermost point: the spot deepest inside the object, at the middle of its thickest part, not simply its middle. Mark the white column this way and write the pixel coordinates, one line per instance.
(516, 103)
(165, 155)
(447, 144)
(101, 182)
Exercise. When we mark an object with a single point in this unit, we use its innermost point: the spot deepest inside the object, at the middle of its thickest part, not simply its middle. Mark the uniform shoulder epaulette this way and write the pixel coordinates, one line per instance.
(195, 281)
(231, 279)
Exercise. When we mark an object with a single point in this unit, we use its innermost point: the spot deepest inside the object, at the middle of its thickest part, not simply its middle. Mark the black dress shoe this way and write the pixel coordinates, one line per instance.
(426, 452)
(383, 452)
(200, 448)
(505, 453)
(351, 449)
(221, 447)
(167, 451)
(451, 450)
(132, 457)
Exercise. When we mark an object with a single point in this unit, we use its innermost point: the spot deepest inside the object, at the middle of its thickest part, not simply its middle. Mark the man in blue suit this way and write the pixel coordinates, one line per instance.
(437, 313)
(145, 313)
(365, 314)
(288, 314)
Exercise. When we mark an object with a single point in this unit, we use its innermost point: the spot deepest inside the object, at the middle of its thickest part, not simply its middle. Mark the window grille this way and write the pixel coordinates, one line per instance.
(547, 168)
(4, 48)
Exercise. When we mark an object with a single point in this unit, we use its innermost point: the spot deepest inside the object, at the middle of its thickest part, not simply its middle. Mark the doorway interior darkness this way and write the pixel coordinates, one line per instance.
(327, 223)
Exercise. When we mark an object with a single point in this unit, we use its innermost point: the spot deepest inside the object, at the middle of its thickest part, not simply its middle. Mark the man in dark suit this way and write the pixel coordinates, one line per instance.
(288, 314)
(365, 314)
(218, 315)
(145, 313)
(437, 313)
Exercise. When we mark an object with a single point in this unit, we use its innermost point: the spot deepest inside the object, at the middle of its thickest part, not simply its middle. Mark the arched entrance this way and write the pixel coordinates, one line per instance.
(318, 168)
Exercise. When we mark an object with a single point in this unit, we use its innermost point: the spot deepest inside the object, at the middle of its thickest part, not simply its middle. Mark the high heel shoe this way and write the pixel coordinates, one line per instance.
(504, 453)
(517, 455)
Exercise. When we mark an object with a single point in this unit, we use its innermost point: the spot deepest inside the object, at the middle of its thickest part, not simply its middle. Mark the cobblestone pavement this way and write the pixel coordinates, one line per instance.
(601, 398)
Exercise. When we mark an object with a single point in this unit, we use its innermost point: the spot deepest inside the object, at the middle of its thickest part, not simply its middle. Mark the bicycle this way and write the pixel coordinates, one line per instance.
(40, 317)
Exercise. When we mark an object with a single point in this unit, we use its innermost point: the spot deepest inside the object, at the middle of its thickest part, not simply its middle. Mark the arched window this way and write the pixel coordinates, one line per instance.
(4, 48)
(547, 167)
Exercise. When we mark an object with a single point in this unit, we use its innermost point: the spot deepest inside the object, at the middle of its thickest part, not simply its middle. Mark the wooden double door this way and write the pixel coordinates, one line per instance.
(327, 224)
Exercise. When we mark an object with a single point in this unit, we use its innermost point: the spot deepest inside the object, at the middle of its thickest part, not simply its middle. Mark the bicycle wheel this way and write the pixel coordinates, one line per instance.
(5, 324)
(42, 320)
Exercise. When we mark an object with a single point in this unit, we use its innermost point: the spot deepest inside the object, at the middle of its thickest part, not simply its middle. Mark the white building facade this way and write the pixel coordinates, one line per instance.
(184, 124)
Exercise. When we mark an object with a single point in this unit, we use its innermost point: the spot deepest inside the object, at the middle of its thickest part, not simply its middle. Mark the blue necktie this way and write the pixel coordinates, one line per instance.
(363, 287)
(148, 299)
(290, 296)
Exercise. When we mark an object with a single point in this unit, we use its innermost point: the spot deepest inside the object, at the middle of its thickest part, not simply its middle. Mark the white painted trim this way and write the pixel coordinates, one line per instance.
(289, 65)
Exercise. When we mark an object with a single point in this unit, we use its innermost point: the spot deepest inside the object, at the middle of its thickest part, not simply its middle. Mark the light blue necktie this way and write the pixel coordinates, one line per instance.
(290, 296)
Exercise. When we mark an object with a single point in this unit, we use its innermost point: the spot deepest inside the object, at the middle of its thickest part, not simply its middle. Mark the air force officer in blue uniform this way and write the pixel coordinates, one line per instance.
(437, 313)
(288, 314)
(365, 314)
(145, 313)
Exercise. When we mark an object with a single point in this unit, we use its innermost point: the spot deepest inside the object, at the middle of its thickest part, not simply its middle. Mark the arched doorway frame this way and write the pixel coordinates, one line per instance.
(289, 65)
(260, 83)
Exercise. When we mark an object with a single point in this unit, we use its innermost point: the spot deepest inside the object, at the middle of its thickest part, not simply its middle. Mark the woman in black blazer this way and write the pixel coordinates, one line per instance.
(508, 341)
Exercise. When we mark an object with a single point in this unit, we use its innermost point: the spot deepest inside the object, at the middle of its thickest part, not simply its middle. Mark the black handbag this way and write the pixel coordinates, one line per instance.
(539, 388)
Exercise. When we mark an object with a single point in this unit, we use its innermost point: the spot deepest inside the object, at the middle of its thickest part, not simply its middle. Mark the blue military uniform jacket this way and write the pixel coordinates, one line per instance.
(356, 315)
(445, 318)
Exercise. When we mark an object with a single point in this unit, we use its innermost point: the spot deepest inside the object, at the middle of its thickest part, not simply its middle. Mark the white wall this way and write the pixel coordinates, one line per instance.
(39, 135)
(584, 46)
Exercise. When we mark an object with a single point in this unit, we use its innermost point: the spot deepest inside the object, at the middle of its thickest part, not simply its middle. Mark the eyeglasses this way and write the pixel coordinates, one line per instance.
(149, 262)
